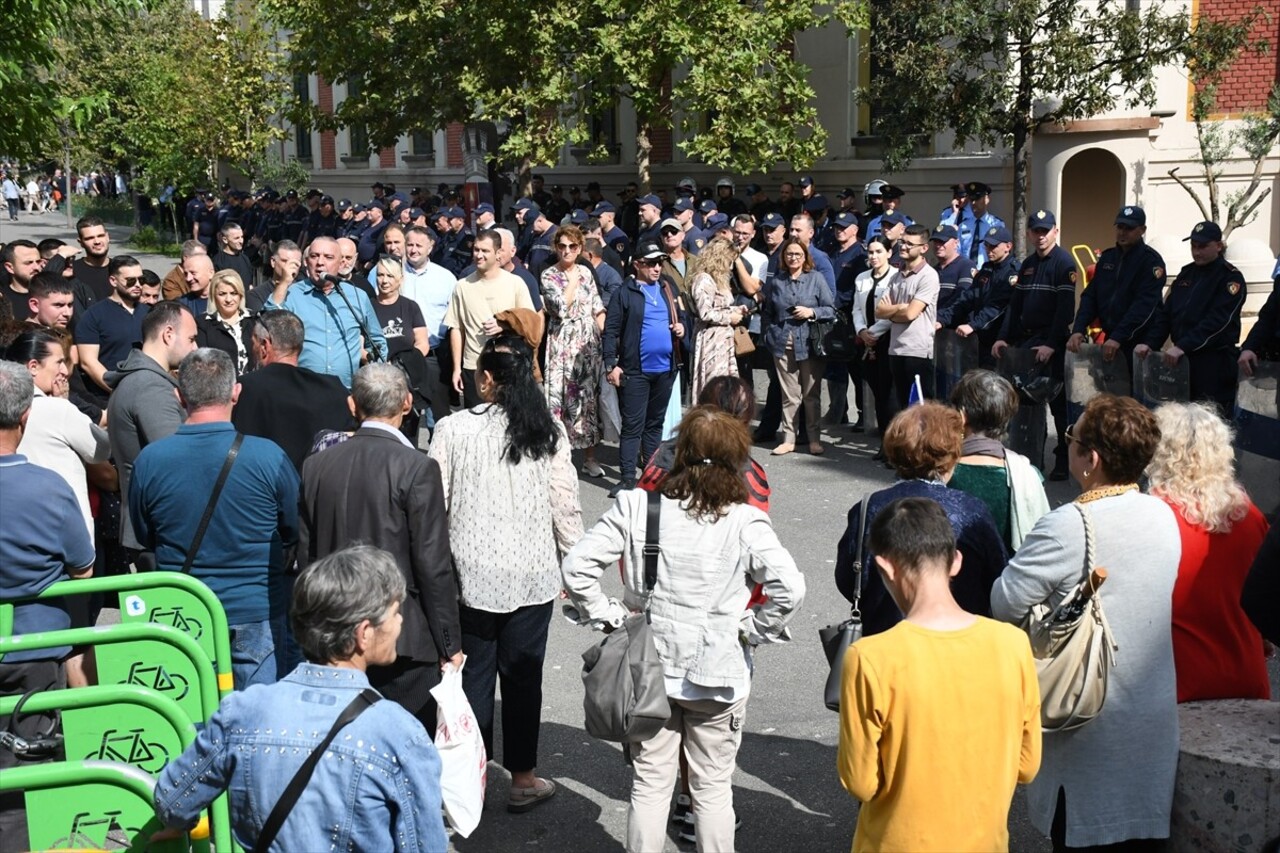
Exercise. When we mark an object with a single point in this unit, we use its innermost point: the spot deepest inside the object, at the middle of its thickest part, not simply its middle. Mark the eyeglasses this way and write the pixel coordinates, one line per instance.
(568, 247)
(667, 232)
(649, 262)
(904, 244)
(1070, 434)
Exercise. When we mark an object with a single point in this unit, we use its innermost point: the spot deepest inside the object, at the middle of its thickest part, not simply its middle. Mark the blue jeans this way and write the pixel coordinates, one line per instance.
(642, 401)
(253, 654)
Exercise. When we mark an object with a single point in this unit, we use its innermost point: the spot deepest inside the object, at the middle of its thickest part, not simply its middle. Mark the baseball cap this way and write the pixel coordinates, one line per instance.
(484, 207)
(344, 205)
(751, 189)
(706, 206)
(669, 223)
(528, 204)
(717, 222)
(806, 181)
(313, 193)
(649, 251)
(943, 233)
(289, 194)
(326, 199)
(1204, 232)
(894, 218)
(682, 204)
(847, 192)
(651, 200)
(996, 235)
(846, 219)
(577, 217)
(378, 204)
(415, 212)
(772, 220)
(603, 207)
(815, 204)
(376, 186)
(1041, 219)
(457, 213)
(1131, 215)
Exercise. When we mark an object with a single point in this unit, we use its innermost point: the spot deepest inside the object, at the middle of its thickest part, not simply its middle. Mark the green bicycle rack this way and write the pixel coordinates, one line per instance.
(97, 805)
(155, 730)
(165, 598)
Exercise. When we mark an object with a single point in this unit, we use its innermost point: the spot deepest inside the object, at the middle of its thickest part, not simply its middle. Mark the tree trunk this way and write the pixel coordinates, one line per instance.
(1022, 144)
(524, 178)
(644, 147)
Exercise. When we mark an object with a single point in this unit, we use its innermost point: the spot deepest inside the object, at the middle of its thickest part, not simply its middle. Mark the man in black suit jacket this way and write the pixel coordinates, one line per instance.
(377, 489)
(282, 401)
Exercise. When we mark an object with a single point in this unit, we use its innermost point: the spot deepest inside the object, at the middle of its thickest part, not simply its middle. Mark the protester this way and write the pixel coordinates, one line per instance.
(512, 499)
(716, 314)
(712, 547)
(575, 320)
(939, 715)
(399, 317)
(227, 326)
(1109, 781)
(1217, 653)
(1005, 481)
(797, 297)
(923, 444)
(869, 288)
(379, 787)
(910, 305)
(107, 333)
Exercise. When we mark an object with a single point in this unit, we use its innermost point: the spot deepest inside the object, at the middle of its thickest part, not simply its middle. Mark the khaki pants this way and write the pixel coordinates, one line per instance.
(711, 733)
(801, 380)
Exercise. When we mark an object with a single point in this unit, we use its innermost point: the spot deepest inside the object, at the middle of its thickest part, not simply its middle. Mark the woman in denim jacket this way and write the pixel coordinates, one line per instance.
(798, 295)
(378, 785)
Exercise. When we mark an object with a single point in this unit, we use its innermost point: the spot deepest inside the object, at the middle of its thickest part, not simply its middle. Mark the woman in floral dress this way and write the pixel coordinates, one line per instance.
(575, 318)
(717, 315)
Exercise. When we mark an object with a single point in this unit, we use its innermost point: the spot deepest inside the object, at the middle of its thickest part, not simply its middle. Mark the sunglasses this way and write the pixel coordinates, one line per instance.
(131, 281)
(567, 246)
(1070, 434)
(649, 262)
(667, 232)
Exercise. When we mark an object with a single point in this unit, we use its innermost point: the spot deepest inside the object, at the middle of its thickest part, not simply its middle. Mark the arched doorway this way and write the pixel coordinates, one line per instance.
(1092, 192)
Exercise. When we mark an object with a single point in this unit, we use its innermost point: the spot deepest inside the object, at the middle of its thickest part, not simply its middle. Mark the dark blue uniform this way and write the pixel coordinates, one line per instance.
(319, 225)
(458, 256)
(541, 254)
(207, 223)
(1123, 296)
(618, 240)
(1264, 337)
(983, 304)
(293, 220)
(1201, 315)
(953, 280)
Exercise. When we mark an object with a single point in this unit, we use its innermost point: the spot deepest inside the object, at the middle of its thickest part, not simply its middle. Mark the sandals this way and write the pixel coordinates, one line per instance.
(816, 448)
(523, 799)
(784, 448)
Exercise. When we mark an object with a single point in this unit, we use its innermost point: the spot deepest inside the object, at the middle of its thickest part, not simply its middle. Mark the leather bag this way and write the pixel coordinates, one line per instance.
(625, 693)
(1073, 648)
(742, 343)
(836, 639)
(818, 332)
(840, 342)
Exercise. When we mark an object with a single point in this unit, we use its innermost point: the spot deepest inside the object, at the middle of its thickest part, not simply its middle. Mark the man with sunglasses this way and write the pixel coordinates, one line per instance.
(1121, 299)
(111, 327)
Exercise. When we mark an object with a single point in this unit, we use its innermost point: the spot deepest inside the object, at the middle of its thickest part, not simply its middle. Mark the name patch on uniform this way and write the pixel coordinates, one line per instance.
(1233, 288)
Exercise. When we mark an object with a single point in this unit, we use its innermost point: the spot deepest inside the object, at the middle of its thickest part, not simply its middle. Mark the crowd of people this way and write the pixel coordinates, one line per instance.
(253, 416)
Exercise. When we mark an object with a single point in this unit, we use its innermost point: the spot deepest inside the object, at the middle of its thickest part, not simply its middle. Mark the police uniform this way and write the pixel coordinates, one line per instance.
(1264, 337)
(983, 304)
(617, 240)
(694, 240)
(1201, 315)
(319, 225)
(541, 252)
(293, 220)
(1123, 296)
(207, 223)
(954, 280)
(459, 254)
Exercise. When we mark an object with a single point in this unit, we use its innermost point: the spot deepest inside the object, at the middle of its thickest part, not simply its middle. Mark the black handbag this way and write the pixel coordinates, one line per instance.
(818, 331)
(841, 341)
(837, 638)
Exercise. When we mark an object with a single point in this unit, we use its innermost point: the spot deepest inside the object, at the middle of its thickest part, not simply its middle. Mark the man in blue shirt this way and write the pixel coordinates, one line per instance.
(43, 539)
(241, 555)
(340, 323)
(641, 356)
(111, 327)
(968, 213)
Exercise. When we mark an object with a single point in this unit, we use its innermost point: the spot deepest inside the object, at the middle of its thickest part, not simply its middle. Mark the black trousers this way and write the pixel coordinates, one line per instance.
(507, 650)
(15, 680)
(903, 370)
(642, 402)
(408, 683)
(1214, 377)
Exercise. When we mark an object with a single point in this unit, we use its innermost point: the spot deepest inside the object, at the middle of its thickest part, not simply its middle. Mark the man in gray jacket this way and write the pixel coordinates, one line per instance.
(144, 407)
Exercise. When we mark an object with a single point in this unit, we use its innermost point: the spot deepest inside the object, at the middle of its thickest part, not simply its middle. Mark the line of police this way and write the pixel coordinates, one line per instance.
(985, 290)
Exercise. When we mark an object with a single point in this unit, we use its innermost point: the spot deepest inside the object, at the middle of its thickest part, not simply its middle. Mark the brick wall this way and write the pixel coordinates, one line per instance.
(1245, 86)
(453, 146)
(387, 158)
(328, 139)
(662, 139)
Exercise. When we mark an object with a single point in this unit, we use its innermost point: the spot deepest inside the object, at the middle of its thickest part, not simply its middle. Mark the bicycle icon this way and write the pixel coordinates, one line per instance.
(173, 616)
(117, 837)
(130, 748)
(158, 678)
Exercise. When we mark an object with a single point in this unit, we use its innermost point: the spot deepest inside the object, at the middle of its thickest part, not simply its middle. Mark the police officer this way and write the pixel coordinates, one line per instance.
(820, 212)
(324, 221)
(726, 202)
(541, 254)
(614, 237)
(192, 210)
(682, 211)
(1264, 338)
(1122, 297)
(526, 210)
(980, 309)
(293, 217)
(205, 228)
(650, 215)
(461, 242)
(1201, 317)
(890, 199)
(955, 272)
(1040, 313)
(486, 216)
(970, 214)
(874, 204)
(558, 206)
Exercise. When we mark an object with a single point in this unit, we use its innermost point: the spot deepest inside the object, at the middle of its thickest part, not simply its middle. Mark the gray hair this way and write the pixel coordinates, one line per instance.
(206, 377)
(193, 247)
(283, 329)
(508, 239)
(988, 402)
(379, 390)
(334, 595)
(284, 246)
(16, 390)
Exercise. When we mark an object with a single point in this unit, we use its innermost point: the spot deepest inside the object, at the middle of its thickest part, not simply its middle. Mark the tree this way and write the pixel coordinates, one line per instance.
(997, 73)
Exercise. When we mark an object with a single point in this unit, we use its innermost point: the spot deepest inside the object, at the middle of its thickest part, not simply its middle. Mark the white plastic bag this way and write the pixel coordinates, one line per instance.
(610, 416)
(674, 411)
(463, 763)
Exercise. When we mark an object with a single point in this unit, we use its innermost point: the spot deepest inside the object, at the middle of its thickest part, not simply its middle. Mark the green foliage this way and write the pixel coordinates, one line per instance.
(147, 239)
(267, 170)
(114, 211)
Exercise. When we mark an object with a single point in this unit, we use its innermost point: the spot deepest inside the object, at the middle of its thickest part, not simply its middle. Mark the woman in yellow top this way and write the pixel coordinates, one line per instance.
(939, 715)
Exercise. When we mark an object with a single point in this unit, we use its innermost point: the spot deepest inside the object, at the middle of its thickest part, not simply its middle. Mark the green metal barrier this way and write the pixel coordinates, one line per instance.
(161, 658)
(158, 730)
(165, 598)
(91, 804)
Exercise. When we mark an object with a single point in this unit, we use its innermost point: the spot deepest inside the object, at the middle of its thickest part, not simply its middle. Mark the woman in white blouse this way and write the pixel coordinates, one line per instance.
(512, 496)
(869, 287)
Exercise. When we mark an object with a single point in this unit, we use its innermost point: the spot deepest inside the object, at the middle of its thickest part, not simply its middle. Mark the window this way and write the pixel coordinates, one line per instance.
(357, 134)
(422, 144)
(302, 132)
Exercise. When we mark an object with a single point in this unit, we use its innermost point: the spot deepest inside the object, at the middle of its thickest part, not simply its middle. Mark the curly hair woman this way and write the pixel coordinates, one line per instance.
(1217, 652)
(713, 354)
(713, 546)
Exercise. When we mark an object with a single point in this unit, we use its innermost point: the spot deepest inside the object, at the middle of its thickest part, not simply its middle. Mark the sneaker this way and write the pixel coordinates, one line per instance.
(523, 799)
(683, 810)
(623, 486)
(592, 468)
(689, 833)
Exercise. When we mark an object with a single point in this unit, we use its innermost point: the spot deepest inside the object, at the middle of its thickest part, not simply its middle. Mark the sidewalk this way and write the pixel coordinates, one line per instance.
(41, 226)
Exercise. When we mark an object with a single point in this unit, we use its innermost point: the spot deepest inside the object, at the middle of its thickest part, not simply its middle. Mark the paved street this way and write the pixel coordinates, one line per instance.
(786, 789)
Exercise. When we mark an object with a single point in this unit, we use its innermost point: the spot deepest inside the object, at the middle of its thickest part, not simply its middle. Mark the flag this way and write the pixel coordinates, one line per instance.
(916, 396)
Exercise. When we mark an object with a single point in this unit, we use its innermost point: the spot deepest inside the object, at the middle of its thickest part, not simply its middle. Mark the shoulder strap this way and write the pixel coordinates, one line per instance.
(651, 547)
(862, 554)
(275, 820)
(213, 502)
(1089, 552)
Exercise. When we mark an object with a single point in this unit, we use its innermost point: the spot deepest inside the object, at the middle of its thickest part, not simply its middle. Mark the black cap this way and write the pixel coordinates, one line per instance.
(649, 251)
(1131, 215)
(844, 220)
(1204, 232)
(977, 188)
(806, 181)
(891, 191)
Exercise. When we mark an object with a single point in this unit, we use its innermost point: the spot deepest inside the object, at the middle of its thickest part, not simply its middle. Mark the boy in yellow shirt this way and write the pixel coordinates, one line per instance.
(940, 715)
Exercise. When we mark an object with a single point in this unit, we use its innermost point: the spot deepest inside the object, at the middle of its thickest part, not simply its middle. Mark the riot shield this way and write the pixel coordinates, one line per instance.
(953, 357)
(1036, 386)
(1154, 382)
(1257, 423)
(1088, 374)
